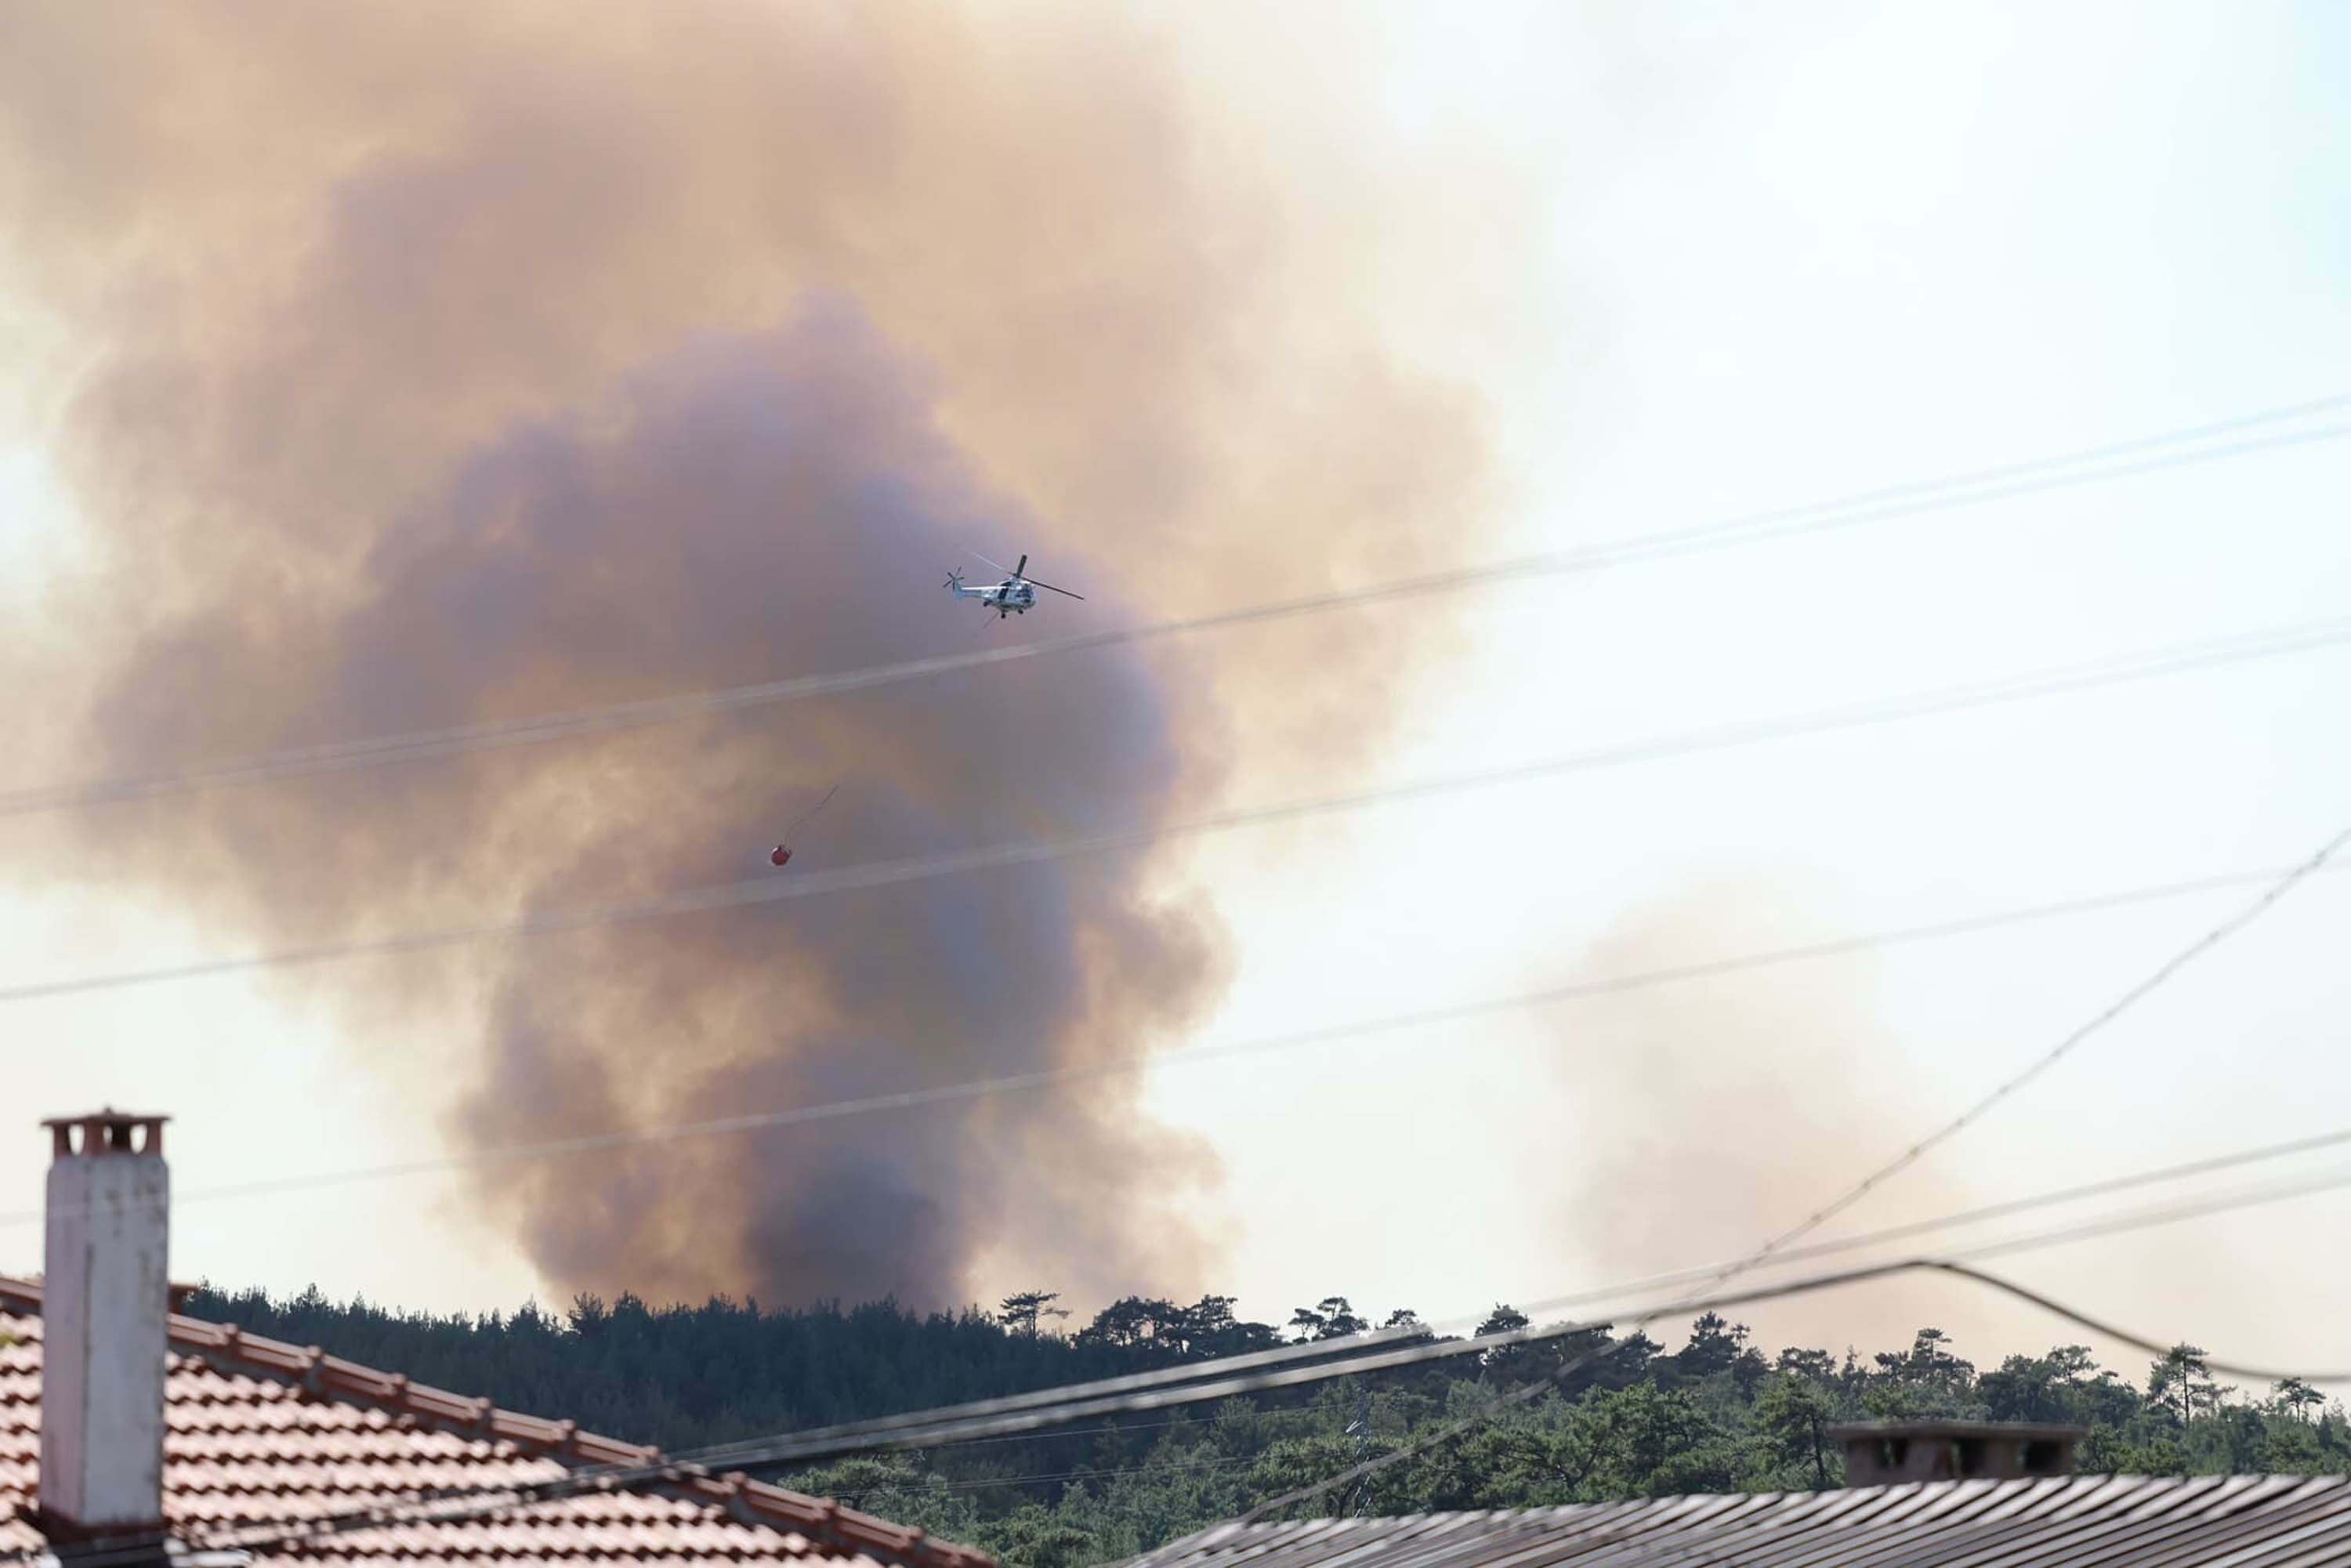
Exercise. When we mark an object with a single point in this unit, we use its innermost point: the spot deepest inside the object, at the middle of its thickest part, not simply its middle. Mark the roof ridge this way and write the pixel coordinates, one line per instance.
(227, 1348)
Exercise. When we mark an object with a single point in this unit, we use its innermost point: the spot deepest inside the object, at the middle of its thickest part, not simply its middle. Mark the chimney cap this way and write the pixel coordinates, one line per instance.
(106, 1130)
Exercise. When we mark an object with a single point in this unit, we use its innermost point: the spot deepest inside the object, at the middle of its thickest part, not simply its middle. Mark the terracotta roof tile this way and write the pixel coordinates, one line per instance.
(258, 1433)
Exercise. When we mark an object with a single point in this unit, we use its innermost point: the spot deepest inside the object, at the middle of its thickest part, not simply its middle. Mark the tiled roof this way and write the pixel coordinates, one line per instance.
(2247, 1521)
(259, 1432)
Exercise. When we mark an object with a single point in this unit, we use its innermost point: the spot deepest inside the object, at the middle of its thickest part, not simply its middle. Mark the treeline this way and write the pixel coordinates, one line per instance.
(1717, 1415)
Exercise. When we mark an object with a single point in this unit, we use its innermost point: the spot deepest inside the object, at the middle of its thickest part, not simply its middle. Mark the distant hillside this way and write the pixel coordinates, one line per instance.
(1718, 1414)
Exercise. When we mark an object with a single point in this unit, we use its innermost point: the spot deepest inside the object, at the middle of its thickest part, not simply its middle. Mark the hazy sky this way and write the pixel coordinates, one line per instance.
(1688, 261)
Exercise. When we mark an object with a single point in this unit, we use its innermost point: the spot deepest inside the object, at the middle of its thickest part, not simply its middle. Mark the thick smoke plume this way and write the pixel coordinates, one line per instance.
(427, 364)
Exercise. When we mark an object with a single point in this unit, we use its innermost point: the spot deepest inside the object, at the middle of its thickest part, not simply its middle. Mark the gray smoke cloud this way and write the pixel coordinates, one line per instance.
(449, 364)
(1717, 1114)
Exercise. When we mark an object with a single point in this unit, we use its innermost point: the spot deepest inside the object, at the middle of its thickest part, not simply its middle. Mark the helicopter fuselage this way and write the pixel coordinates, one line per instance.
(1005, 597)
(1014, 595)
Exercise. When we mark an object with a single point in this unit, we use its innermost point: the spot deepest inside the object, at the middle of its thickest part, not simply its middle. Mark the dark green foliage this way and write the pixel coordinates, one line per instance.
(687, 1376)
(1027, 1310)
(1715, 1416)
(1792, 1415)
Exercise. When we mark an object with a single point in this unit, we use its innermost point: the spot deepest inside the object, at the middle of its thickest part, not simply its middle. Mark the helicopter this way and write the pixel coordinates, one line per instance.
(782, 853)
(1013, 596)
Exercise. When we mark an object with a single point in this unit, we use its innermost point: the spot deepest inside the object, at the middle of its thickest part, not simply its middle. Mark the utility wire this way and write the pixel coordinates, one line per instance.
(2165, 1214)
(932, 1481)
(2063, 1048)
(916, 1424)
(472, 1503)
(2174, 659)
(1981, 485)
(1198, 1056)
(1330, 1351)
(1358, 1354)
(2048, 1059)
(1201, 1424)
(1535, 1387)
(2108, 1224)
(2007, 1209)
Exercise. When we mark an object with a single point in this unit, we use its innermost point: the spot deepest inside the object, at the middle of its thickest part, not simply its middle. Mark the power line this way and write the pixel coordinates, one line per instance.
(2063, 1048)
(935, 1482)
(1029, 1413)
(2142, 1218)
(2004, 482)
(896, 1429)
(2165, 1214)
(990, 1421)
(1457, 1013)
(1176, 1385)
(454, 1505)
(2171, 966)
(1101, 1397)
(1535, 1387)
(1120, 1428)
(2174, 659)
(2007, 1209)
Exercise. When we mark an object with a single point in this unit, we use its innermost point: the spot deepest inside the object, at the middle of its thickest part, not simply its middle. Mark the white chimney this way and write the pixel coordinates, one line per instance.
(106, 1302)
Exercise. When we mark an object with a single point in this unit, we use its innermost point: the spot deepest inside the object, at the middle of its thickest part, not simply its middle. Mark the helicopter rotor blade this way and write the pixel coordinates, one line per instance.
(1023, 567)
(997, 564)
(1034, 583)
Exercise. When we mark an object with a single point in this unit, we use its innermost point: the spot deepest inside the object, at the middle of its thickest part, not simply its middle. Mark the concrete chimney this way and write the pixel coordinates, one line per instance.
(1882, 1453)
(106, 1302)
